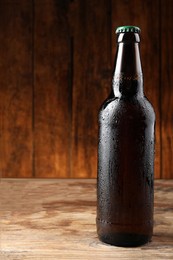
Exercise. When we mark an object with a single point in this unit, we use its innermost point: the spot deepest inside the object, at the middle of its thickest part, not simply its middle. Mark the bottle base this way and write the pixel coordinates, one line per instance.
(125, 240)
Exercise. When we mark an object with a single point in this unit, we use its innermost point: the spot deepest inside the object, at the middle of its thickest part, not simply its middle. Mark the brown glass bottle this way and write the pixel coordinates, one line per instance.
(125, 188)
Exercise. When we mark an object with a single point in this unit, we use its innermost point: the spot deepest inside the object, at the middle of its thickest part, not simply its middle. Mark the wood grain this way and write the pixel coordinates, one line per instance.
(142, 16)
(55, 219)
(91, 80)
(16, 88)
(52, 89)
(166, 98)
(55, 72)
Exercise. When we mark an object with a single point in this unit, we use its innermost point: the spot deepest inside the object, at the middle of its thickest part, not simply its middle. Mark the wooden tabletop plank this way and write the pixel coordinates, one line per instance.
(55, 219)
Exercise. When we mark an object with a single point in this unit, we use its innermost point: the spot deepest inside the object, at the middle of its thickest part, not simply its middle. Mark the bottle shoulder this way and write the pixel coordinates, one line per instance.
(122, 107)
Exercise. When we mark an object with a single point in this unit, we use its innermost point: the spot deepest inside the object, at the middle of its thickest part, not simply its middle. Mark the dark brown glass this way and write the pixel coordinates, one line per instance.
(125, 186)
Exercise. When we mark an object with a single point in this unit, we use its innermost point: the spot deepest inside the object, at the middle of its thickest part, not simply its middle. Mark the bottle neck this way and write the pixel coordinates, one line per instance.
(128, 78)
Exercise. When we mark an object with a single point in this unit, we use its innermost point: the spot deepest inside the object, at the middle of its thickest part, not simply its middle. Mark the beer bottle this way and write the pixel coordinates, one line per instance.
(126, 151)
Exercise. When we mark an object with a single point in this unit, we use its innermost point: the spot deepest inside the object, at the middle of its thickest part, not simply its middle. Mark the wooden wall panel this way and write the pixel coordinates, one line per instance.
(56, 60)
(91, 80)
(166, 98)
(141, 13)
(16, 88)
(52, 89)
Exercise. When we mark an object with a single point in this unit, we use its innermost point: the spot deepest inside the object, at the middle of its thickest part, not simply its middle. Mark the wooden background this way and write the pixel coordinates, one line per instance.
(56, 59)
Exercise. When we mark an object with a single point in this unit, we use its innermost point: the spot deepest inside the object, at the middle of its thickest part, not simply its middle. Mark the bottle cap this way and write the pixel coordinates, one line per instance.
(128, 28)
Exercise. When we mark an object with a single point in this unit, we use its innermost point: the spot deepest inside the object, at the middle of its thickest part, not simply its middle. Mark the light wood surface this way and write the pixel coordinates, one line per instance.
(55, 219)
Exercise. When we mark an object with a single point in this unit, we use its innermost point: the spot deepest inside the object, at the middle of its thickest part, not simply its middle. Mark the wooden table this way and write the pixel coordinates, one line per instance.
(55, 219)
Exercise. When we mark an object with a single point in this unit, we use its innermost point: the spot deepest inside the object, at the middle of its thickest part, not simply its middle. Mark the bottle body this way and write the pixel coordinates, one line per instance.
(125, 186)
